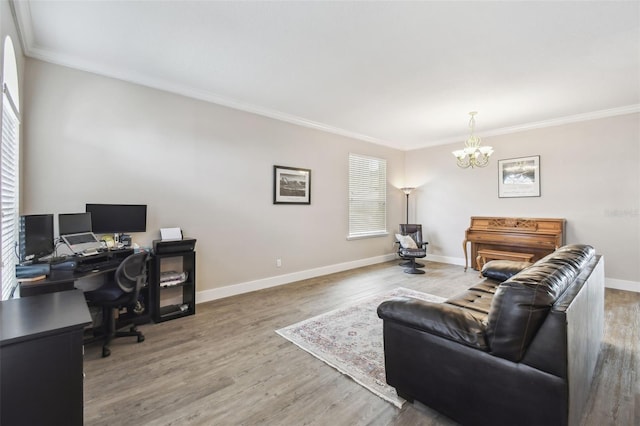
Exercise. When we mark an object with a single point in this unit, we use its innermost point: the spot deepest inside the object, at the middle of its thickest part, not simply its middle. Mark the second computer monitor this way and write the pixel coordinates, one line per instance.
(36, 236)
(118, 218)
(74, 223)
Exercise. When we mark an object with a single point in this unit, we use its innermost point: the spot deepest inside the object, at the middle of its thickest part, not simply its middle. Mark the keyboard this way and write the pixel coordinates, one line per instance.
(98, 266)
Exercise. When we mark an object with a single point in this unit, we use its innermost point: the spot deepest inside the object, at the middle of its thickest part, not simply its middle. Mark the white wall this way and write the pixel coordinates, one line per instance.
(203, 167)
(590, 175)
(208, 169)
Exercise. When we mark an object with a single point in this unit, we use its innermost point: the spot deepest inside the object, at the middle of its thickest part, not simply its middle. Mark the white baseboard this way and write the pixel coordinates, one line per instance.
(622, 284)
(249, 286)
(446, 259)
(608, 282)
(246, 287)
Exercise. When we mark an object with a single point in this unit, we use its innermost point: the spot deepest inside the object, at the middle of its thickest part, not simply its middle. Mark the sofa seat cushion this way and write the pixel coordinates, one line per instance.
(441, 319)
(476, 300)
(487, 286)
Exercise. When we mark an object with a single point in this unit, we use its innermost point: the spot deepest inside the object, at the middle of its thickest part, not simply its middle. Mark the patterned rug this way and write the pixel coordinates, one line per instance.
(350, 340)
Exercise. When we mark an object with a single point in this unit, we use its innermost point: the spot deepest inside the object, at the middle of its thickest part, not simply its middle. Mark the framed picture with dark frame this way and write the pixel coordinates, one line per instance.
(291, 185)
(519, 177)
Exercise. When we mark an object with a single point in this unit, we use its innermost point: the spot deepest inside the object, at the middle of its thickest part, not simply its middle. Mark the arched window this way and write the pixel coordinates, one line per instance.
(9, 161)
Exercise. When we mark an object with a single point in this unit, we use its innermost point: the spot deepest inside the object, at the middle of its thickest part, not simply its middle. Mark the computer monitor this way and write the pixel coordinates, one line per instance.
(35, 237)
(117, 218)
(74, 223)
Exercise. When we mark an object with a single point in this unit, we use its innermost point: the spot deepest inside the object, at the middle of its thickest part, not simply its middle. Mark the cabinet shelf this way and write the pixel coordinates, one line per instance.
(173, 311)
(183, 283)
(180, 295)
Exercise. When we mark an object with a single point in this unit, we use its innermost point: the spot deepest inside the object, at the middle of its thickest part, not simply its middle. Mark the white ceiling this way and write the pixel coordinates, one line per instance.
(403, 74)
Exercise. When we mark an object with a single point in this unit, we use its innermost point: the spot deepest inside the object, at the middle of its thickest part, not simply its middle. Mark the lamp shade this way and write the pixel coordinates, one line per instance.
(407, 190)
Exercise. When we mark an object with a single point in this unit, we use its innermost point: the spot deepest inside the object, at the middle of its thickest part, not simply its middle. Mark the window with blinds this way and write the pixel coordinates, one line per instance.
(9, 192)
(367, 196)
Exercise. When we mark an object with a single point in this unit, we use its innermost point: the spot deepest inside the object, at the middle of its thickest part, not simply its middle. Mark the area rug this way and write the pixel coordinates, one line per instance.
(350, 340)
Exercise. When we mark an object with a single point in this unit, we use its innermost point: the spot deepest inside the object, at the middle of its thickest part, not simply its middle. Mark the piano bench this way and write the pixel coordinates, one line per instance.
(484, 255)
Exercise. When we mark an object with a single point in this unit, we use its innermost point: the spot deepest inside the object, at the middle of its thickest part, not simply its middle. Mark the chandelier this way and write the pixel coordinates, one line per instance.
(473, 155)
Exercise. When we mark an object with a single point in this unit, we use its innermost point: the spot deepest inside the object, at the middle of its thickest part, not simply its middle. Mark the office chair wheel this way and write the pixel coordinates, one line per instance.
(140, 338)
(105, 352)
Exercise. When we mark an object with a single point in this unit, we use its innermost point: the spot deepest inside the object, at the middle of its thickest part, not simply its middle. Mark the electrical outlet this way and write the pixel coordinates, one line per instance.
(278, 262)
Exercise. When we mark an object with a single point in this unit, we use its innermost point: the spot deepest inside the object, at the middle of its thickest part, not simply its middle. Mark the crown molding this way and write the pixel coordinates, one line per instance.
(22, 17)
(594, 115)
(190, 92)
(193, 93)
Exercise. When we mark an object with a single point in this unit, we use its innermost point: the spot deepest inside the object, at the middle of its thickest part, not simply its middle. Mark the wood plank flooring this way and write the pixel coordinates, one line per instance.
(227, 366)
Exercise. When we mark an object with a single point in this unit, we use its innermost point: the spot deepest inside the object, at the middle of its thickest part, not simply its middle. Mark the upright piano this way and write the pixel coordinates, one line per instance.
(519, 235)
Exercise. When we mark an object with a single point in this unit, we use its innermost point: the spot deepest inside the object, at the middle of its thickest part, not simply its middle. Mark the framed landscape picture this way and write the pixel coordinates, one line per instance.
(519, 177)
(291, 185)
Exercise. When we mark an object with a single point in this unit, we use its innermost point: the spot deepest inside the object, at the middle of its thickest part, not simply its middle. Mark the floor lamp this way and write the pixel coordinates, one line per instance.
(407, 191)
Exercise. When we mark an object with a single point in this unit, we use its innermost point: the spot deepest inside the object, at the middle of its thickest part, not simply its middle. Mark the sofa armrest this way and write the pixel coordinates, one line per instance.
(502, 270)
(441, 319)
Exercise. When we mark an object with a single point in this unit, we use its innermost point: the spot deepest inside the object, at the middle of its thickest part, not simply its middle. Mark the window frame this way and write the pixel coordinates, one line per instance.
(9, 191)
(9, 171)
(367, 173)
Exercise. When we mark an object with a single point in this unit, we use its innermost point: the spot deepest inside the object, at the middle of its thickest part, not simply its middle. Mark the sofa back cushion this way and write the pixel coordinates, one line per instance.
(522, 303)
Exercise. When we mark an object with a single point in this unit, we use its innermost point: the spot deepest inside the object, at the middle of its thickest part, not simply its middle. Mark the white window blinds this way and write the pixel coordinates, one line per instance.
(9, 192)
(367, 196)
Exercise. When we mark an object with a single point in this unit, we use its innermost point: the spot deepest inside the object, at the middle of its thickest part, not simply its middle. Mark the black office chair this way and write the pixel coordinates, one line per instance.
(123, 292)
(412, 249)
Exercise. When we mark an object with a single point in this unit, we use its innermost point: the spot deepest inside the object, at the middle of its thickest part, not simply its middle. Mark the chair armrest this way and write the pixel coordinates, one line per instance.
(441, 319)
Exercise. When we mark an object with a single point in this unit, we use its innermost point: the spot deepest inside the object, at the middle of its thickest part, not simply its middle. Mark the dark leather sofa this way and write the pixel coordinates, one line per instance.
(518, 348)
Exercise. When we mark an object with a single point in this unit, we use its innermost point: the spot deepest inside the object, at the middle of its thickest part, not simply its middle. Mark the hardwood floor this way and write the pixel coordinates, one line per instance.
(227, 366)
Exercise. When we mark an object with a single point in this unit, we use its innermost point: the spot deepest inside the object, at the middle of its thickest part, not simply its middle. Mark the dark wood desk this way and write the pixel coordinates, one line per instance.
(41, 379)
(64, 280)
(61, 280)
(57, 281)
